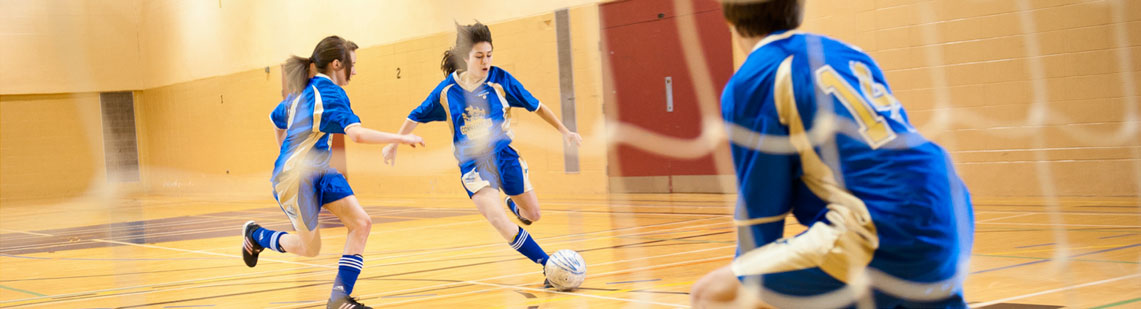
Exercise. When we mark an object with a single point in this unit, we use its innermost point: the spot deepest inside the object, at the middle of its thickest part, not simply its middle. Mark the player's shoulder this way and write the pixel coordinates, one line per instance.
(498, 75)
(449, 79)
(325, 85)
(802, 45)
(330, 92)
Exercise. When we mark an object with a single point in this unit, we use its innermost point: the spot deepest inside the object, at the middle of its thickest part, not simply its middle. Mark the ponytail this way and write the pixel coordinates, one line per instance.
(451, 63)
(296, 74)
(329, 49)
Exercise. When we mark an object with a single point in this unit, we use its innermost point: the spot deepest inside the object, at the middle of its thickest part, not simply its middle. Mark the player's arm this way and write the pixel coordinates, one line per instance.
(518, 96)
(359, 134)
(568, 136)
(280, 134)
(389, 151)
(279, 117)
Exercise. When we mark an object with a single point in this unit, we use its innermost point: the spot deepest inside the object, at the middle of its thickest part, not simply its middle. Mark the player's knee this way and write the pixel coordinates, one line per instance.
(698, 294)
(363, 224)
(533, 214)
(717, 287)
(697, 297)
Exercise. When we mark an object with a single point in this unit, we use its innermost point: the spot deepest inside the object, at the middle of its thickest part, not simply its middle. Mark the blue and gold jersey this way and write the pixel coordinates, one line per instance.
(309, 119)
(832, 133)
(480, 117)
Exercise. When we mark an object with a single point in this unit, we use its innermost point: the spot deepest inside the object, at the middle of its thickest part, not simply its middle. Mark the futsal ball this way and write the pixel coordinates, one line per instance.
(565, 270)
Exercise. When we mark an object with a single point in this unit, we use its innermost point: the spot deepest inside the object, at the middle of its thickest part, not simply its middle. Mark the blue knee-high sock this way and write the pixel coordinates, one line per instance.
(269, 238)
(527, 246)
(350, 268)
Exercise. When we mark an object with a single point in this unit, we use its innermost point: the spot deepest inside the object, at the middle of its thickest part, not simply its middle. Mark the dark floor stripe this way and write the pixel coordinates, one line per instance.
(406, 296)
(1116, 236)
(1031, 246)
(633, 281)
(1047, 260)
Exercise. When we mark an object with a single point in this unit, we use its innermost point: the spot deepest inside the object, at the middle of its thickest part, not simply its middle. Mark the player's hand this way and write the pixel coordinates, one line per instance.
(412, 140)
(390, 154)
(573, 139)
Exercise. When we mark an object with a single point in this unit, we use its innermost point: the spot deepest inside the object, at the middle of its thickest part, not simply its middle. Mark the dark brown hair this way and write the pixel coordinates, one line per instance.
(466, 36)
(758, 18)
(329, 49)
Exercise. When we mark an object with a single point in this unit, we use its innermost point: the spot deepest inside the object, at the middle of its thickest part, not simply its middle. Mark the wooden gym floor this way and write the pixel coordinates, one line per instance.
(641, 251)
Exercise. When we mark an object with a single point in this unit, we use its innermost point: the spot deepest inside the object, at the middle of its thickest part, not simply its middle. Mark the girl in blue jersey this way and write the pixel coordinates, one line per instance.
(476, 100)
(303, 181)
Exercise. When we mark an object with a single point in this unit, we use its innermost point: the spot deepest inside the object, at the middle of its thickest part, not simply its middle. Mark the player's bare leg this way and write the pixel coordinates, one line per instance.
(359, 225)
(528, 204)
(353, 216)
(487, 201)
(302, 242)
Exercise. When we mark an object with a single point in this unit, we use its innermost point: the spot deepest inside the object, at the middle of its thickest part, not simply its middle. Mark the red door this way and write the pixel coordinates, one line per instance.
(643, 49)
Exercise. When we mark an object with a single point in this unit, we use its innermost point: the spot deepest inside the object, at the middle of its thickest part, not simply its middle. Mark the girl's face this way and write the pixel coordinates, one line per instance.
(479, 59)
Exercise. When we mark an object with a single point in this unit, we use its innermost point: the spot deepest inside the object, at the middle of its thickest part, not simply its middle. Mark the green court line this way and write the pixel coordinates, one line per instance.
(1118, 303)
(1038, 258)
(21, 291)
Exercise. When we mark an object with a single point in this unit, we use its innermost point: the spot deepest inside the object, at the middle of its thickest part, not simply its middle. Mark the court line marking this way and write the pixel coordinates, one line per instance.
(194, 220)
(1068, 258)
(1065, 288)
(1063, 224)
(528, 273)
(338, 235)
(558, 299)
(256, 275)
(1128, 301)
(172, 282)
(20, 290)
(1005, 217)
(1043, 258)
(1123, 235)
(25, 232)
(1077, 213)
(500, 286)
(323, 273)
(1016, 252)
(635, 281)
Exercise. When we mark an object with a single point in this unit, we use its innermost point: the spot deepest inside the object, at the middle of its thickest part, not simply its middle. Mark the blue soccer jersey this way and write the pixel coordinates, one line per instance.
(302, 177)
(833, 137)
(480, 117)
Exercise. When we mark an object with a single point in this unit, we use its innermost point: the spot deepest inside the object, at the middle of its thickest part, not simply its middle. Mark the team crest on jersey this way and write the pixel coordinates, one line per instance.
(477, 128)
(476, 123)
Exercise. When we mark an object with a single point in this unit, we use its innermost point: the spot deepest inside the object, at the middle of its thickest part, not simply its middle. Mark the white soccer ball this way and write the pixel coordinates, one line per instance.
(565, 270)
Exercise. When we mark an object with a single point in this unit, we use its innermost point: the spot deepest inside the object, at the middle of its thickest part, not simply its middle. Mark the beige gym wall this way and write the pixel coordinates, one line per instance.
(202, 108)
(966, 72)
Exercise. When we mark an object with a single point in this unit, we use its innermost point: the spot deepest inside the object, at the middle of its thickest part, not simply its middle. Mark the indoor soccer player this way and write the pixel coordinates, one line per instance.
(889, 221)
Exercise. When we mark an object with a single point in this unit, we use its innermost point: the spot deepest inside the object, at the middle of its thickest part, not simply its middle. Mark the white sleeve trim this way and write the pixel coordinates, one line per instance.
(271, 120)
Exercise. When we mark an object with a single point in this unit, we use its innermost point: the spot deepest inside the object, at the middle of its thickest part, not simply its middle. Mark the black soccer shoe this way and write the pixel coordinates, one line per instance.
(250, 247)
(345, 302)
(546, 282)
(515, 210)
